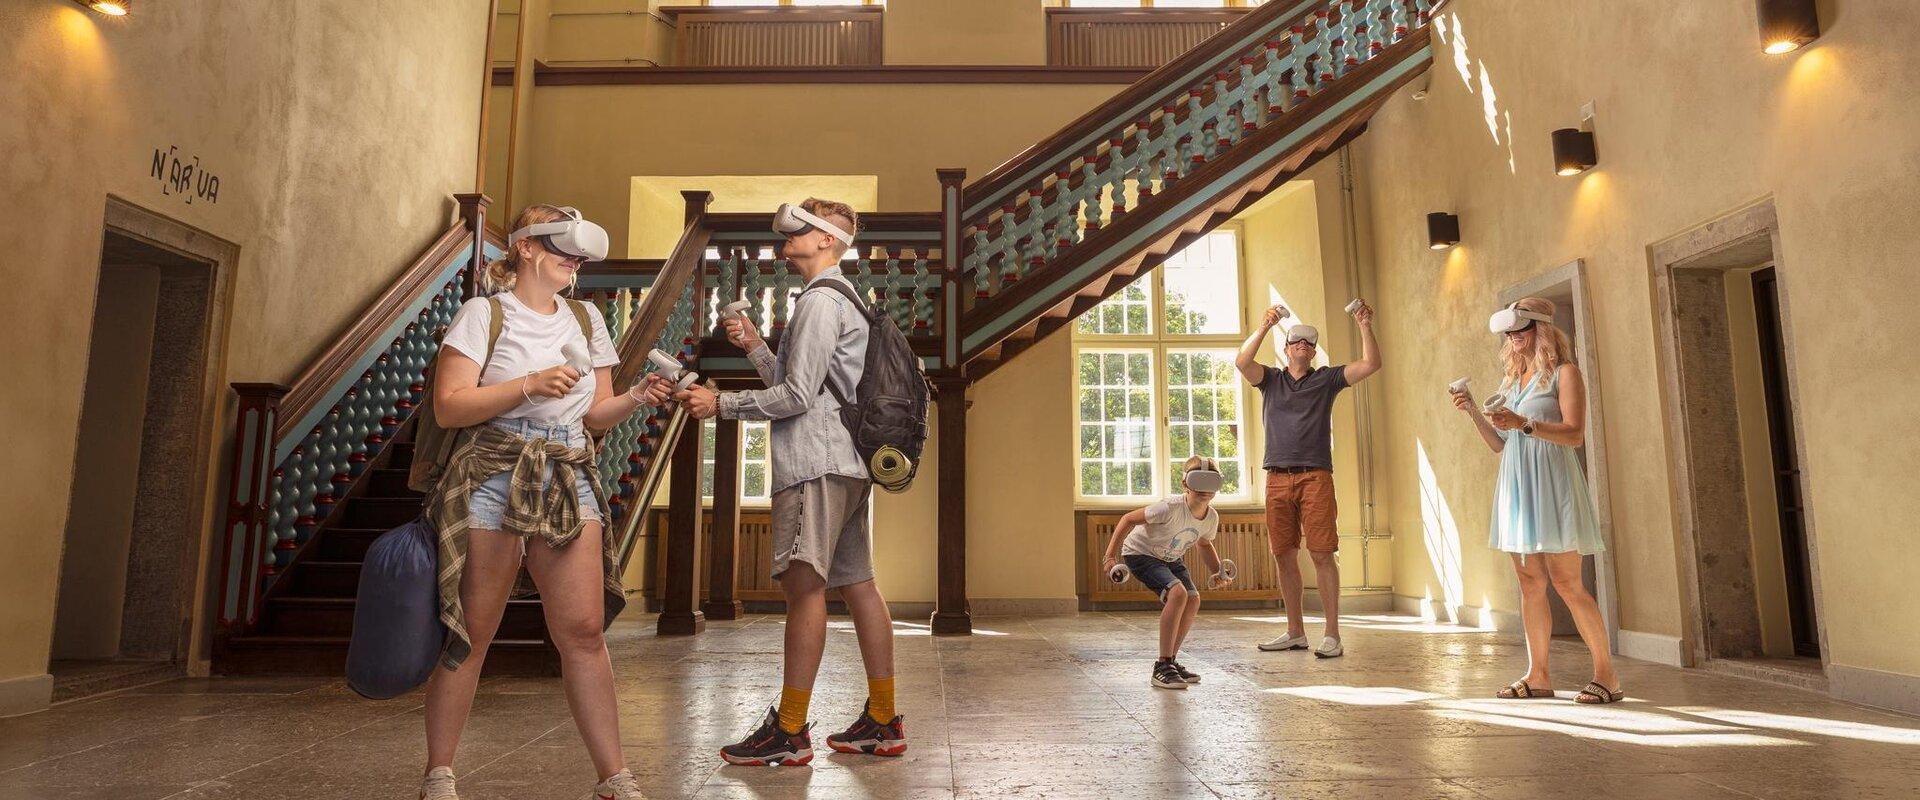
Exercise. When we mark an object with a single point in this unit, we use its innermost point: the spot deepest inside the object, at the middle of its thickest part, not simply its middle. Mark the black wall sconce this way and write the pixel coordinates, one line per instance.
(111, 8)
(1787, 25)
(1443, 230)
(1573, 151)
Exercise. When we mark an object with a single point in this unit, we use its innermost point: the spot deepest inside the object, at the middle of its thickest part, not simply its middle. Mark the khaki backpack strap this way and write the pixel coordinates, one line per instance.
(496, 318)
(586, 322)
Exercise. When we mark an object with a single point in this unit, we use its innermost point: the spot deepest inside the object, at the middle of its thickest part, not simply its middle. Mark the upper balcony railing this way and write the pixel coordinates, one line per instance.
(1130, 37)
(776, 36)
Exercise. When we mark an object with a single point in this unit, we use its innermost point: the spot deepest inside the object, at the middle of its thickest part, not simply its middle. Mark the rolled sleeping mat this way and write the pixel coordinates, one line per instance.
(890, 468)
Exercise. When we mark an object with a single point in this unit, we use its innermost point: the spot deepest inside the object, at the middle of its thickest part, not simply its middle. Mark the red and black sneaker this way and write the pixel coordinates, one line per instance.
(869, 736)
(771, 747)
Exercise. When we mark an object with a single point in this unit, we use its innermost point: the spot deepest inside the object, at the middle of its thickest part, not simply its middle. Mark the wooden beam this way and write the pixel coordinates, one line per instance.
(680, 596)
(951, 617)
(723, 555)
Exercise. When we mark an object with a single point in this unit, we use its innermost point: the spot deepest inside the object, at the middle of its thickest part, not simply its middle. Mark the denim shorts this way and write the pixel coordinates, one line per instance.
(1158, 576)
(487, 509)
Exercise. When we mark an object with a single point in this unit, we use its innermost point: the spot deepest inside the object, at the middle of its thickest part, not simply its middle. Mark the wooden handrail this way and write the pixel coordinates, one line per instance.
(324, 373)
(1131, 104)
(679, 269)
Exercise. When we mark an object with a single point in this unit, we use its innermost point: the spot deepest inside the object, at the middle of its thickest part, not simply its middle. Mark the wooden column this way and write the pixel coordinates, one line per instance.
(473, 212)
(950, 613)
(724, 540)
(680, 595)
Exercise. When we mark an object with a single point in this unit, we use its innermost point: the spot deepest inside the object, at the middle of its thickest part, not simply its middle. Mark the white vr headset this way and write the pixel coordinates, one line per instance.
(1304, 333)
(573, 236)
(1204, 480)
(1513, 319)
(792, 220)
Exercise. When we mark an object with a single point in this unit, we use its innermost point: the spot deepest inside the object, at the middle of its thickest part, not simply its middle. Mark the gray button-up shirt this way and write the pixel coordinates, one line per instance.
(825, 339)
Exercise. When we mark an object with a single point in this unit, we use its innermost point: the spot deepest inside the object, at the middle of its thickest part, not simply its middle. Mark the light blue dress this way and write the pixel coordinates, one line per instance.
(1540, 504)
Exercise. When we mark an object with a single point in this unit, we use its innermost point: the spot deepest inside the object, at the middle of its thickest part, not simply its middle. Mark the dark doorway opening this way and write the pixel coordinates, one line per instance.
(1786, 464)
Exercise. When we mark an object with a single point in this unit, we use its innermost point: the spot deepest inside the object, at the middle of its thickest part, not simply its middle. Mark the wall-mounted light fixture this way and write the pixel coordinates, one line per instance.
(111, 8)
(1573, 151)
(1443, 230)
(1787, 25)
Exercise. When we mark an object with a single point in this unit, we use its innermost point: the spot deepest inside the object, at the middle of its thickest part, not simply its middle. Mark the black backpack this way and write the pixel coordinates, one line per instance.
(888, 415)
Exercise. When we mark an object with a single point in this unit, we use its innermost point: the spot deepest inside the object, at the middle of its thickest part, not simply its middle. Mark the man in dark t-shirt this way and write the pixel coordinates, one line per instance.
(1297, 409)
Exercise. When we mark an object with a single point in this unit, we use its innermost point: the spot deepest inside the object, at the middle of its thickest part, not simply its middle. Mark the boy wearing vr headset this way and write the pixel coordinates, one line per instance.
(820, 490)
(1297, 402)
(1153, 542)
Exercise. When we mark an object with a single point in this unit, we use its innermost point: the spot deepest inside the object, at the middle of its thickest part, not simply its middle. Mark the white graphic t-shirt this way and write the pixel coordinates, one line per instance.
(1170, 530)
(529, 342)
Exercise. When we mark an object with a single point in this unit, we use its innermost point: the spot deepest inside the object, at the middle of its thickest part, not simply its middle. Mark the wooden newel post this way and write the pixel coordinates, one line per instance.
(724, 539)
(951, 615)
(249, 495)
(680, 595)
(473, 212)
(953, 261)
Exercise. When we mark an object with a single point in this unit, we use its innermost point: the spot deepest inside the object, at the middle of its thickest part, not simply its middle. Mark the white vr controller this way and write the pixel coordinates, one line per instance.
(1353, 306)
(1228, 571)
(1459, 386)
(735, 309)
(1494, 402)
(671, 369)
(1119, 573)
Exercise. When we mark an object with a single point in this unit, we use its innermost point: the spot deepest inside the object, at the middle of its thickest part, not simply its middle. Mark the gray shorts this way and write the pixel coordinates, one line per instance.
(824, 522)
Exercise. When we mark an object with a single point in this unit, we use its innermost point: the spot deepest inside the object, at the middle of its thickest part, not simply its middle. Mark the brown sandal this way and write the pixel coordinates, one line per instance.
(1597, 695)
(1519, 690)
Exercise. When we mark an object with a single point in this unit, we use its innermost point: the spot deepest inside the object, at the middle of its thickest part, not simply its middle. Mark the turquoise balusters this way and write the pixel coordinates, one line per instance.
(976, 262)
(780, 299)
(896, 289)
(921, 305)
(1089, 191)
(1400, 21)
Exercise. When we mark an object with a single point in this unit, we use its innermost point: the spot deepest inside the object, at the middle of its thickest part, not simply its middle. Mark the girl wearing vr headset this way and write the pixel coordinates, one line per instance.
(526, 372)
(1542, 515)
(1153, 542)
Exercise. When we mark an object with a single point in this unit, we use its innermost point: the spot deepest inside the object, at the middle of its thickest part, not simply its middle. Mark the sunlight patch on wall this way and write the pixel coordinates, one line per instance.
(1441, 535)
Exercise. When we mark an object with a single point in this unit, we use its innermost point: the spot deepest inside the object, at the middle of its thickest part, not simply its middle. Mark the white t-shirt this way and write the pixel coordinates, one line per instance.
(530, 342)
(1170, 530)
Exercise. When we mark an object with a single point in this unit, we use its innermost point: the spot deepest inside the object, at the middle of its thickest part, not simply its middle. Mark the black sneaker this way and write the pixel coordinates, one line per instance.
(868, 736)
(771, 747)
(1185, 674)
(1166, 677)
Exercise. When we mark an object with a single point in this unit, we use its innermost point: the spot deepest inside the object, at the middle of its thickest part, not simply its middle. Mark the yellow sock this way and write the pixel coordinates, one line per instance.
(793, 709)
(880, 699)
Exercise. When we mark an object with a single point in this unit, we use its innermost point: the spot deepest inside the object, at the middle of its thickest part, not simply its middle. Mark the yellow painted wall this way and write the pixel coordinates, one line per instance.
(1685, 134)
(337, 135)
(970, 32)
(1020, 477)
(656, 213)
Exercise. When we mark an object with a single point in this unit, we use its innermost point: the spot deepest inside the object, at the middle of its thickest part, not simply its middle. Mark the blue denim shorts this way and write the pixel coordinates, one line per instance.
(487, 510)
(1158, 576)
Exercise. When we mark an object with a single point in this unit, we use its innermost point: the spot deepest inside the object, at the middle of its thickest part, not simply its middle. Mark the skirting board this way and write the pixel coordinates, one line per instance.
(1889, 690)
(1658, 648)
(1372, 602)
(25, 694)
(1473, 616)
(1008, 606)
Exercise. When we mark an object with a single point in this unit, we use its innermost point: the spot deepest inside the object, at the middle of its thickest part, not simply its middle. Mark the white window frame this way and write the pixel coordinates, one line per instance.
(1158, 343)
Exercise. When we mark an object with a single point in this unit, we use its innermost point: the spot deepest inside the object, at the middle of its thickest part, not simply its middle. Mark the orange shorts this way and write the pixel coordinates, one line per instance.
(1302, 503)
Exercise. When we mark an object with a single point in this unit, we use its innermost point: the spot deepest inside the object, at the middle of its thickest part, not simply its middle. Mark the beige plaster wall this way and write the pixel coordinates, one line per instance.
(1685, 133)
(971, 32)
(337, 136)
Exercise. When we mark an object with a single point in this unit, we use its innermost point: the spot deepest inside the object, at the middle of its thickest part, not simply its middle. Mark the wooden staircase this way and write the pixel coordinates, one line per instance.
(308, 613)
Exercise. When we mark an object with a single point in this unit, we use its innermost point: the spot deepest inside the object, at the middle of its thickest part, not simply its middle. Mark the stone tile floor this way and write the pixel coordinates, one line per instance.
(1030, 707)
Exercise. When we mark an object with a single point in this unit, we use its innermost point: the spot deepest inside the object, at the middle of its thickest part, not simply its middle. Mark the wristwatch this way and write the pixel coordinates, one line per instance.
(1527, 427)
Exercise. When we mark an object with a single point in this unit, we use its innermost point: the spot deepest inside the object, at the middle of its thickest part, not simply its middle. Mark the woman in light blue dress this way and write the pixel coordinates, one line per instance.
(1542, 514)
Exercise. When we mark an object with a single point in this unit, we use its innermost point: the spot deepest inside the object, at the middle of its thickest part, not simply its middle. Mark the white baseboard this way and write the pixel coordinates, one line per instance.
(1370, 602)
(1889, 690)
(1658, 648)
(1012, 606)
(25, 694)
(1470, 616)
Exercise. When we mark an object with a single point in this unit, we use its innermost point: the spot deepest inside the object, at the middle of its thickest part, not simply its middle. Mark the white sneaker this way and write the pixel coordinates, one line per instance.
(1329, 648)
(1287, 642)
(619, 786)
(438, 785)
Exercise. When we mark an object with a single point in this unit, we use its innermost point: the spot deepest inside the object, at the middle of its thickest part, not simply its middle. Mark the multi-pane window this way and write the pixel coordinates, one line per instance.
(754, 466)
(1156, 381)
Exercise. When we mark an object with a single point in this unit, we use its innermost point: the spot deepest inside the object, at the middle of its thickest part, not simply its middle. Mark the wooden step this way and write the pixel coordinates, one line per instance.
(400, 455)
(327, 656)
(311, 578)
(380, 512)
(333, 616)
(389, 483)
(345, 544)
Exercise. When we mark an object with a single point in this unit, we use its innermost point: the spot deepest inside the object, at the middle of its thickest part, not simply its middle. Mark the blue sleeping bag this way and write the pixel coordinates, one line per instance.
(397, 633)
